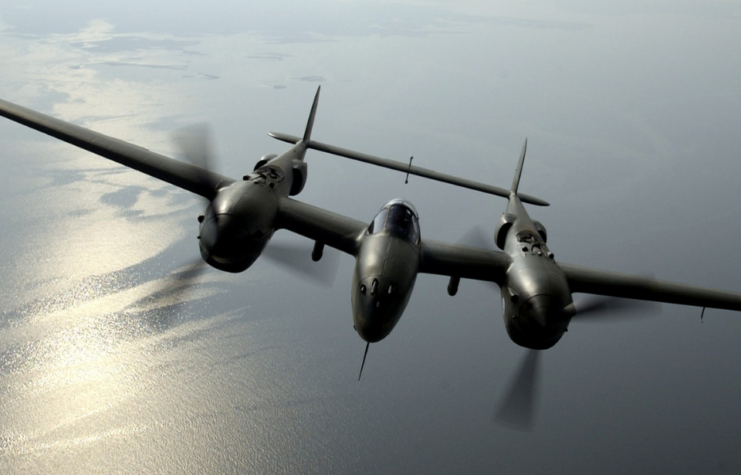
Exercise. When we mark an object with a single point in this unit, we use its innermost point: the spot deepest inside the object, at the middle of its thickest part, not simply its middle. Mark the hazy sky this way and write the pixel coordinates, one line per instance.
(632, 110)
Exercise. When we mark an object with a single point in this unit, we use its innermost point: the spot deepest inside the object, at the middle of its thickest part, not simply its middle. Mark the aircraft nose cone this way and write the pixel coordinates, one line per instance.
(542, 309)
(377, 306)
(220, 236)
(540, 325)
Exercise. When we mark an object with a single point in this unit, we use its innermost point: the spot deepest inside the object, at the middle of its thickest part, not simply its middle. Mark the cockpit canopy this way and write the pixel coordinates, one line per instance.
(397, 217)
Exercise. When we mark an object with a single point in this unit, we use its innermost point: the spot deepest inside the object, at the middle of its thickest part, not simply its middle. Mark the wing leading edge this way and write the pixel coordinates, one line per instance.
(320, 225)
(455, 260)
(345, 234)
(184, 175)
(613, 284)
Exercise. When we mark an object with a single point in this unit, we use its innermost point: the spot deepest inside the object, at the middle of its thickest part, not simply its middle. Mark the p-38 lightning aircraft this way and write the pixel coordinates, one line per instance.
(243, 214)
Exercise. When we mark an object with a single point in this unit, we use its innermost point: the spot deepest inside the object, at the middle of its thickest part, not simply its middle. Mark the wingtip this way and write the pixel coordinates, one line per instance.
(532, 200)
(285, 137)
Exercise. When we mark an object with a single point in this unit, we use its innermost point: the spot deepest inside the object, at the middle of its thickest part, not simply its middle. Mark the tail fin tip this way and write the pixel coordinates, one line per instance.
(312, 114)
(518, 170)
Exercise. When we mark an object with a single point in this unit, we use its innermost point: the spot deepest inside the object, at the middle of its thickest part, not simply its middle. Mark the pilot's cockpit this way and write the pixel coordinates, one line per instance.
(531, 244)
(397, 217)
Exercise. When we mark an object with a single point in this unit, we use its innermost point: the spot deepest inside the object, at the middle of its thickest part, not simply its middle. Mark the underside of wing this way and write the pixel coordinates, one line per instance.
(184, 175)
(613, 284)
(320, 225)
(466, 262)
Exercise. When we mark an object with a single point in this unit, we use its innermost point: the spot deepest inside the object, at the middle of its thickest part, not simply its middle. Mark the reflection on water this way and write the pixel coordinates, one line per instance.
(77, 365)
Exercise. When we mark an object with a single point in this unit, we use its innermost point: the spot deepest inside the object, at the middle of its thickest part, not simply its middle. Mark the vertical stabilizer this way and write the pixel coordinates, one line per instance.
(310, 124)
(518, 171)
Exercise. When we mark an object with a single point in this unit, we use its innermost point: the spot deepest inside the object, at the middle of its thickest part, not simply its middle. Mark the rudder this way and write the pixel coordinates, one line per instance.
(518, 170)
(310, 124)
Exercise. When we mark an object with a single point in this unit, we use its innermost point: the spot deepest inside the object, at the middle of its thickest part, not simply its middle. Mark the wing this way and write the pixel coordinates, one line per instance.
(345, 234)
(466, 262)
(613, 284)
(321, 225)
(184, 175)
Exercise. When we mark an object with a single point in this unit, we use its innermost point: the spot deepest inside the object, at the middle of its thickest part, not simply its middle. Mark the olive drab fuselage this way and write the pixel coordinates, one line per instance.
(536, 300)
(385, 270)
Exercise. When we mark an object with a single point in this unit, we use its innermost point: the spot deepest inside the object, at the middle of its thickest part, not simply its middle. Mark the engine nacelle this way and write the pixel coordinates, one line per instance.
(385, 271)
(238, 224)
(500, 233)
(541, 230)
(300, 171)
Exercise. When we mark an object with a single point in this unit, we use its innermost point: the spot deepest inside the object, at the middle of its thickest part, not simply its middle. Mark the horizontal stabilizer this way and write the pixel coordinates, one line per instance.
(406, 168)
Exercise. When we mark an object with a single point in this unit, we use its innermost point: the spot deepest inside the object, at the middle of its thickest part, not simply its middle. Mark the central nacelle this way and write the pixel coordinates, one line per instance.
(385, 270)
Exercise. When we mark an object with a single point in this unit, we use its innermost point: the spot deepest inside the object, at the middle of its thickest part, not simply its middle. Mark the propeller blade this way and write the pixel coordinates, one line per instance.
(612, 308)
(194, 143)
(298, 258)
(476, 237)
(517, 409)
